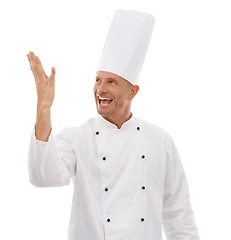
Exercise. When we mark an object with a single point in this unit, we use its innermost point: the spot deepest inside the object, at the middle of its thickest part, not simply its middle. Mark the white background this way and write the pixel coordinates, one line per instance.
(184, 88)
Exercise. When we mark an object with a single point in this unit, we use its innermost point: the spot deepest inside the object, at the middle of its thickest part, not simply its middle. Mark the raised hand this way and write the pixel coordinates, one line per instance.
(46, 92)
(45, 85)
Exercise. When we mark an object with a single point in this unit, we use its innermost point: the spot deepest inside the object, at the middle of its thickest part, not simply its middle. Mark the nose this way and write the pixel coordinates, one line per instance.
(101, 88)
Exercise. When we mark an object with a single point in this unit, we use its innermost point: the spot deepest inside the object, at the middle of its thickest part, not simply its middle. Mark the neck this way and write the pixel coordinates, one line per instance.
(118, 121)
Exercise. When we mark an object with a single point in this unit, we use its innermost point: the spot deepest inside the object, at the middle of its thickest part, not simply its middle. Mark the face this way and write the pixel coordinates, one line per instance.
(113, 95)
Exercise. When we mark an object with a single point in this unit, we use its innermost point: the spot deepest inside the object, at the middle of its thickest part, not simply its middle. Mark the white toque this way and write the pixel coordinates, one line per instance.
(126, 44)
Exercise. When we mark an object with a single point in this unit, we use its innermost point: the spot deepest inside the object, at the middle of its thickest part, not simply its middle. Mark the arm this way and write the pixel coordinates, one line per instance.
(51, 160)
(51, 163)
(45, 87)
(178, 216)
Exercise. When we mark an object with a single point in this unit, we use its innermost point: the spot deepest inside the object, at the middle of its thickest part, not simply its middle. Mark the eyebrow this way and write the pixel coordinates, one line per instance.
(106, 78)
(113, 79)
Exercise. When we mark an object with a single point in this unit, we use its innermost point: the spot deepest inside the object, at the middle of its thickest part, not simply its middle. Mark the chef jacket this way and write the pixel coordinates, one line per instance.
(128, 182)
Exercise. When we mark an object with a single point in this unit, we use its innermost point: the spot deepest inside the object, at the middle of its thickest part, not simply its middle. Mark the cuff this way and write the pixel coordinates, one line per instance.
(40, 141)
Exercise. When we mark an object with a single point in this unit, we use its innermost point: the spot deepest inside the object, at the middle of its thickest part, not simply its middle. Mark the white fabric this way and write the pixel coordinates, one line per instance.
(141, 169)
(126, 44)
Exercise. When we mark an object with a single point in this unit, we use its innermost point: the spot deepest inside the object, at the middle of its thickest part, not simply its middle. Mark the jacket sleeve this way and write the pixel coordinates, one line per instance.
(52, 163)
(178, 217)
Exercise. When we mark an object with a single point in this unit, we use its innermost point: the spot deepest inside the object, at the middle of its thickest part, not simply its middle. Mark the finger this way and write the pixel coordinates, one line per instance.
(31, 53)
(52, 77)
(32, 56)
(36, 66)
(28, 56)
(31, 61)
(39, 66)
(34, 60)
(37, 60)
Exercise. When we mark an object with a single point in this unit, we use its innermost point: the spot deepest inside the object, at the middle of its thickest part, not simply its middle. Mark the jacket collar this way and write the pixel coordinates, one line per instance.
(108, 125)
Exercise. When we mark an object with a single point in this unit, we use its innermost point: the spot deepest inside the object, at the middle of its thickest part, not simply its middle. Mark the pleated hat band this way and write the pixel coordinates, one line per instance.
(126, 44)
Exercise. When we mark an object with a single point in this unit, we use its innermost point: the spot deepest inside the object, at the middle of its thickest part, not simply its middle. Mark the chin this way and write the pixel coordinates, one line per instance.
(102, 113)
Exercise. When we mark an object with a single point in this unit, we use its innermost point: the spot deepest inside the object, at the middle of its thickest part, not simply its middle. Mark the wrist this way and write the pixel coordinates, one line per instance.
(43, 110)
(43, 106)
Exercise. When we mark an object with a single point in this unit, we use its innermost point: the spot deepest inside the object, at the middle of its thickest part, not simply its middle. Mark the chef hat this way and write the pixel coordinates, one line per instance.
(126, 44)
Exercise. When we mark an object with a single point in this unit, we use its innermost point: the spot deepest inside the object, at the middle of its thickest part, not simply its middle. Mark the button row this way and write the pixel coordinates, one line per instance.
(138, 129)
(106, 189)
(142, 219)
(104, 158)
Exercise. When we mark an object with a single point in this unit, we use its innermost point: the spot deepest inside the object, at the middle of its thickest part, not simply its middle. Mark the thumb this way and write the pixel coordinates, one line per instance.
(52, 77)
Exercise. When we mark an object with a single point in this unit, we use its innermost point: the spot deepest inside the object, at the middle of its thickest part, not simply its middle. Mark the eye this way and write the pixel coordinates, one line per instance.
(111, 81)
(98, 80)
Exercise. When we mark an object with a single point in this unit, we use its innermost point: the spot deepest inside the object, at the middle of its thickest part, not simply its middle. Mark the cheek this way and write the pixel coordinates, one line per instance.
(120, 96)
(95, 89)
(120, 100)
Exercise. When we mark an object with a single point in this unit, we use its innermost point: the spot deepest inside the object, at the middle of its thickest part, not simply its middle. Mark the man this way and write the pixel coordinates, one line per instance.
(127, 175)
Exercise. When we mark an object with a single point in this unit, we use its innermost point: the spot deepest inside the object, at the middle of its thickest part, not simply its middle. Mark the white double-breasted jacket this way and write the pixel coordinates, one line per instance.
(128, 182)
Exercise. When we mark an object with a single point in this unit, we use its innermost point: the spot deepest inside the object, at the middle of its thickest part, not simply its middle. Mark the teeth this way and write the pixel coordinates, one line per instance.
(105, 104)
(100, 98)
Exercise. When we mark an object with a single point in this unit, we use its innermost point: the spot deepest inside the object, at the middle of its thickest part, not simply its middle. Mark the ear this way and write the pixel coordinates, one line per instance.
(134, 91)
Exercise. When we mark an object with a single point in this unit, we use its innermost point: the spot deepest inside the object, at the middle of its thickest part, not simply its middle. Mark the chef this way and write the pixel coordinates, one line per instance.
(128, 178)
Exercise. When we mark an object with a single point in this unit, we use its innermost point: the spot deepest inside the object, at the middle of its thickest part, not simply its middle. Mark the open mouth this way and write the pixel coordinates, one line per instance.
(104, 101)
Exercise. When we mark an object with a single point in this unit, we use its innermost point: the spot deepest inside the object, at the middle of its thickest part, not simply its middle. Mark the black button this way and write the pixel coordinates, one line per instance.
(106, 189)
(142, 219)
(143, 187)
(138, 128)
(143, 156)
(104, 158)
(108, 220)
(97, 133)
